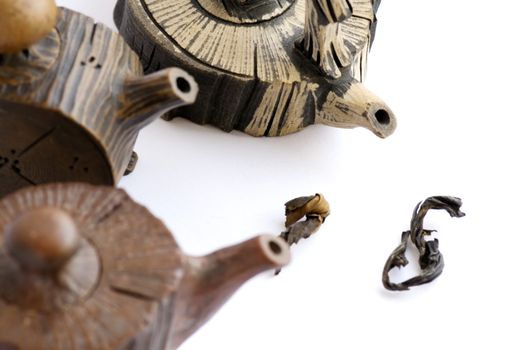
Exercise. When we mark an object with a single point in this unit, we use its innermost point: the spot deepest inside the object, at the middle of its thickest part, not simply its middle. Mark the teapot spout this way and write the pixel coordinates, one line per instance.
(357, 107)
(209, 281)
(146, 98)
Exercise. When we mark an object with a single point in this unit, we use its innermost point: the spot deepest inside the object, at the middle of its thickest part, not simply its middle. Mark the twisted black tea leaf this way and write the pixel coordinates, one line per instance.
(431, 261)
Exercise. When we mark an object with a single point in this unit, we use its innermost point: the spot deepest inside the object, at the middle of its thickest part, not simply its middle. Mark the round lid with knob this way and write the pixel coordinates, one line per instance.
(81, 267)
(253, 38)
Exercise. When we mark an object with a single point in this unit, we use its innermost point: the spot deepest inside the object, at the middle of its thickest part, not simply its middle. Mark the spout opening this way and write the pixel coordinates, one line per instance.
(382, 117)
(357, 107)
(184, 85)
(382, 120)
(275, 249)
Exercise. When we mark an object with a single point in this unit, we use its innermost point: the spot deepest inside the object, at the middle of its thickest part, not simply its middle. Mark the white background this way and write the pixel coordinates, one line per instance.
(453, 72)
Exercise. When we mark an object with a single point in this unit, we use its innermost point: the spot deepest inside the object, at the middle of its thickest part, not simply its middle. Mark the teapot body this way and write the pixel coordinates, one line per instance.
(247, 58)
(58, 107)
(72, 105)
(85, 267)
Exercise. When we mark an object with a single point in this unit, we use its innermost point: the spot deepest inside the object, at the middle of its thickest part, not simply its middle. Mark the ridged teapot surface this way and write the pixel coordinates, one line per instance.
(265, 67)
(73, 102)
(84, 267)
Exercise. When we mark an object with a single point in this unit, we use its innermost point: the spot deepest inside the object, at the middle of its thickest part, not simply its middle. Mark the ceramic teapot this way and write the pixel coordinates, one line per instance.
(73, 102)
(84, 267)
(265, 67)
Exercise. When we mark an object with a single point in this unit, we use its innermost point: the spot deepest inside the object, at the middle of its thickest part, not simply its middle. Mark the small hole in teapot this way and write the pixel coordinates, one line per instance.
(91, 59)
(183, 84)
(276, 249)
(382, 116)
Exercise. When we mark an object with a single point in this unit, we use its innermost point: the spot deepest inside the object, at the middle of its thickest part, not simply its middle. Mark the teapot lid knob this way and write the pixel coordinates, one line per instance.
(25, 22)
(42, 239)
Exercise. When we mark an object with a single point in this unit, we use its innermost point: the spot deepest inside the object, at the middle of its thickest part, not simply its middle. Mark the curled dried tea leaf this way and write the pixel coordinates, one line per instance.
(315, 209)
(431, 260)
(297, 208)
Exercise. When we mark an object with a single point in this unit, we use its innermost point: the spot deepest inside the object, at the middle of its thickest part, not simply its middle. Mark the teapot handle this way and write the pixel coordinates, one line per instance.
(323, 42)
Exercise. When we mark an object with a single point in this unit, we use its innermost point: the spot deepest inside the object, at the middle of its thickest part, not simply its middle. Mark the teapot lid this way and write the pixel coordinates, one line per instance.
(248, 38)
(81, 267)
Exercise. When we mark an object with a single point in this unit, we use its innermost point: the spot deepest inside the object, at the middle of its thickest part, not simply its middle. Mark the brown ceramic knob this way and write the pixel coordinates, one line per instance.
(25, 22)
(42, 239)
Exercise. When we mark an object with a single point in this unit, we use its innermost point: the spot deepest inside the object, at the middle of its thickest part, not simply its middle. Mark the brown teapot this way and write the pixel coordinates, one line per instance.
(84, 267)
(73, 102)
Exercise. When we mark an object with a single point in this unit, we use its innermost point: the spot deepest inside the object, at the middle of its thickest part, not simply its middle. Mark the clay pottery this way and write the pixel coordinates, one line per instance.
(84, 267)
(73, 103)
(24, 22)
(265, 67)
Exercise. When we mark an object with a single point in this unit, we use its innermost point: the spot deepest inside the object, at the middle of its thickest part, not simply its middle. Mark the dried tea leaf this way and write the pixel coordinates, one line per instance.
(315, 209)
(431, 261)
(302, 229)
(297, 208)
